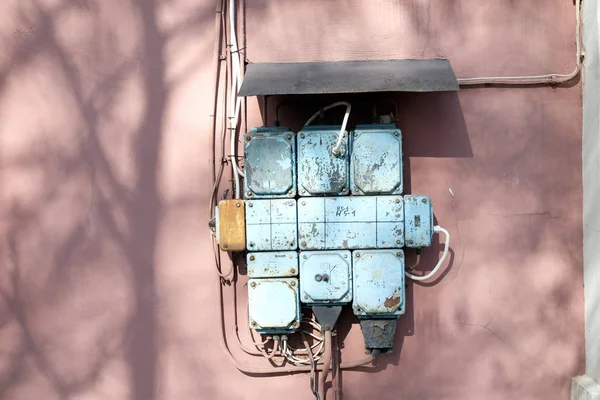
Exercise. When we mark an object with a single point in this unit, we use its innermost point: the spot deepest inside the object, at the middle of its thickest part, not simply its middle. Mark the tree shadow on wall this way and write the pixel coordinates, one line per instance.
(115, 232)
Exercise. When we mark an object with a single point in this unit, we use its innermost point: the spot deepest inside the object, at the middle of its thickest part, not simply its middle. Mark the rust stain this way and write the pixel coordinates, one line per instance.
(392, 302)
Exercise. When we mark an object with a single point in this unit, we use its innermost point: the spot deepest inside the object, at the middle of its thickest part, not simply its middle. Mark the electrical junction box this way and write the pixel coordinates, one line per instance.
(230, 221)
(378, 279)
(376, 161)
(271, 225)
(270, 163)
(350, 222)
(418, 215)
(326, 277)
(273, 305)
(319, 172)
(272, 264)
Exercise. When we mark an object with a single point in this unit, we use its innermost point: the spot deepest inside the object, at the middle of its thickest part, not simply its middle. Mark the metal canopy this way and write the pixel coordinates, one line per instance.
(263, 79)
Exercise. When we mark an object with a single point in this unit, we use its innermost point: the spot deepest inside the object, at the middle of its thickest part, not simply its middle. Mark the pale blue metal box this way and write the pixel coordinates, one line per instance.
(350, 222)
(376, 160)
(270, 163)
(418, 221)
(319, 172)
(326, 277)
(273, 305)
(271, 225)
(378, 279)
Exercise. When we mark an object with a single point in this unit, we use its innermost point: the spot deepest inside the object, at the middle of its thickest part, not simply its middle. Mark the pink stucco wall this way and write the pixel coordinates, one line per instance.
(107, 283)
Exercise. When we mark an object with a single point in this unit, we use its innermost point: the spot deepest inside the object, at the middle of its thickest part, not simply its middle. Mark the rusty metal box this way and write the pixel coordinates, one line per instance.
(230, 225)
(273, 305)
(378, 279)
(376, 161)
(271, 225)
(270, 163)
(319, 172)
(272, 264)
(418, 215)
(350, 222)
(326, 277)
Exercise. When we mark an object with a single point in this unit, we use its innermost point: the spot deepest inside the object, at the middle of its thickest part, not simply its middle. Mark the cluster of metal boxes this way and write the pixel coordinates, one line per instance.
(324, 229)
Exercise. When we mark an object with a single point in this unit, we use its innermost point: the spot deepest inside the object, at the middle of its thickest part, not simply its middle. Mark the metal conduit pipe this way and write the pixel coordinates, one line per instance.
(552, 79)
(326, 364)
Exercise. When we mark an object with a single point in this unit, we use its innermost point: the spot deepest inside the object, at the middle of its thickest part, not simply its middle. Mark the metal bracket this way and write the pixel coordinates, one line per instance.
(327, 316)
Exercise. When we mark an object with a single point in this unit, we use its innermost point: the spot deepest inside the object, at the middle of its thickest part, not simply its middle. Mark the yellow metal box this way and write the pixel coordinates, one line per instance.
(231, 225)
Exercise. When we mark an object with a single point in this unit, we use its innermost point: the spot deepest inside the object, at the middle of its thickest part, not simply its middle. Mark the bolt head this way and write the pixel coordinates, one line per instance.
(325, 278)
(303, 203)
(238, 205)
(250, 205)
(304, 256)
(248, 138)
(410, 241)
(225, 245)
(357, 255)
(253, 324)
(252, 258)
(288, 136)
(296, 325)
(293, 271)
(396, 133)
(302, 136)
(290, 191)
(345, 255)
(303, 245)
(251, 244)
(399, 254)
(424, 200)
(292, 244)
(293, 283)
(355, 134)
(253, 284)
(398, 242)
(250, 193)
(397, 200)
(318, 278)
(305, 297)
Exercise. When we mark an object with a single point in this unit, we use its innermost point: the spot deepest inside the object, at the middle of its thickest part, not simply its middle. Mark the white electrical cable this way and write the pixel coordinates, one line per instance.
(235, 100)
(300, 356)
(537, 79)
(436, 229)
(336, 149)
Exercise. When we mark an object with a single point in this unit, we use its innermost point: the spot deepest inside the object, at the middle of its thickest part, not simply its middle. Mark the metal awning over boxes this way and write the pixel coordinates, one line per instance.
(265, 79)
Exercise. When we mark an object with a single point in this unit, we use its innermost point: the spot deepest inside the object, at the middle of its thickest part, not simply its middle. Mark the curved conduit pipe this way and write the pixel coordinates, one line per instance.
(552, 79)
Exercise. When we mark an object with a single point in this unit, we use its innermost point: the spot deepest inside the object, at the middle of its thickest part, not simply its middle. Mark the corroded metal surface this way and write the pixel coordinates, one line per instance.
(273, 305)
(350, 222)
(378, 278)
(272, 264)
(349, 77)
(270, 163)
(418, 221)
(271, 225)
(319, 172)
(376, 163)
(326, 277)
(378, 333)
